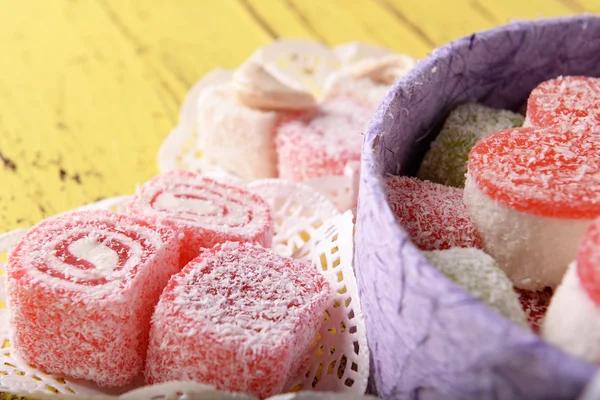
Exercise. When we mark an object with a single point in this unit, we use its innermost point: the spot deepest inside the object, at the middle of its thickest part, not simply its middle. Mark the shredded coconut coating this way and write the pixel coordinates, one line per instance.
(540, 171)
(82, 288)
(206, 211)
(446, 160)
(535, 305)
(235, 137)
(479, 274)
(588, 262)
(433, 215)
(239, 317)
(321, 142)
(568, 103)
(572, 322)
(533, 250)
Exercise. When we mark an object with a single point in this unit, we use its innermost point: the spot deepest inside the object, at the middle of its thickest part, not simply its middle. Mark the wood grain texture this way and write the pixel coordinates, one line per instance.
(89, 89)
(507, 10)
(580, 6)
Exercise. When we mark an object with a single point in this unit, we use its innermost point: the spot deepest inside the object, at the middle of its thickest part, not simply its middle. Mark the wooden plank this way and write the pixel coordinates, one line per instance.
(65, 110)
(442, 21)
(91, 89)
(187, 38)
(581, 6)
(339, 21)
(281, 18)
(589, 5)
(507, 10)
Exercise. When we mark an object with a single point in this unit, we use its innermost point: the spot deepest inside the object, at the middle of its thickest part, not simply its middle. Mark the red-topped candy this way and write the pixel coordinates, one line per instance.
(82, 288)
(239, 317)
(569, 103)
(206, 211)
(321, 142)
(540, 171)
(532, 193)
(433, 215)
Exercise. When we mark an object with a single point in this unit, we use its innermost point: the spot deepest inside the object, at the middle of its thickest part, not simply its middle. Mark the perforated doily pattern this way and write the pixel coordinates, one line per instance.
(308, 226)
(298, 211)
(341, 351)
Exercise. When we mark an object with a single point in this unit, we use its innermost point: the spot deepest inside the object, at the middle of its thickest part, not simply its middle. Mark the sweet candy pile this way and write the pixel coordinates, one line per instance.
(528, 197)
(264, 121)
(87, 295)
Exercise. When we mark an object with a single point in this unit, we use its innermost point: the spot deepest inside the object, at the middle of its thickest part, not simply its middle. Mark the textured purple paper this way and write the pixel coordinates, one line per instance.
(429, 338)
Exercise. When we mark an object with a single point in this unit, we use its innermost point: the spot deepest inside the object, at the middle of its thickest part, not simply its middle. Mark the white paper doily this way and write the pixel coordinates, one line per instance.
(341, 352)
(298, 211)
(308, 226)
(304, 62)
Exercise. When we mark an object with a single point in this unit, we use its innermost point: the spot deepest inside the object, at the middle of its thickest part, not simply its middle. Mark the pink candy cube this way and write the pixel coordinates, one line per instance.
(239, 317)
(321, 142)
(205, 211)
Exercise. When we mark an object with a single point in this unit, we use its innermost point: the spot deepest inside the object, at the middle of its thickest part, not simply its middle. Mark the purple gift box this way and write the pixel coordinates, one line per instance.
(429, 338)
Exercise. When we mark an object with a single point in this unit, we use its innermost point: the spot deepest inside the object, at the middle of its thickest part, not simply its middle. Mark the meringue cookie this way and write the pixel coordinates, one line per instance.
(257, 87)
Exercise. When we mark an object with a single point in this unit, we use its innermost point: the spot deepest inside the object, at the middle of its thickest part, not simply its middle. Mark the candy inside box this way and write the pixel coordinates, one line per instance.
(428, 337)
(310, 224)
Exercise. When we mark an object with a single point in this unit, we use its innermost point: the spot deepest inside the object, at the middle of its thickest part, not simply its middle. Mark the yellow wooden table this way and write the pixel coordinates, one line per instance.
(89, 89)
